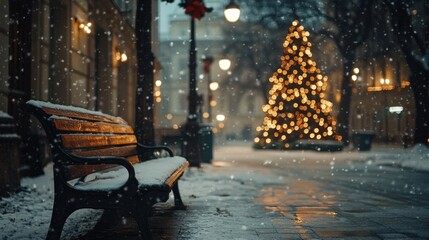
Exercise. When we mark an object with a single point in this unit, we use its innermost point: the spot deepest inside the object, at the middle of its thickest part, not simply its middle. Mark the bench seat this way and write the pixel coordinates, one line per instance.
(153, 174)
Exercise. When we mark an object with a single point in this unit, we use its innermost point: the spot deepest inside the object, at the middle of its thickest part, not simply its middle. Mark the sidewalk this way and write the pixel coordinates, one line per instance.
(222, 203)
(248, 194)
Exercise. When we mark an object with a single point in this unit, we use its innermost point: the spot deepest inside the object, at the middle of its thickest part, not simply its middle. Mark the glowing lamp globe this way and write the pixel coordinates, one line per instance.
(232, 12)
(224, 64)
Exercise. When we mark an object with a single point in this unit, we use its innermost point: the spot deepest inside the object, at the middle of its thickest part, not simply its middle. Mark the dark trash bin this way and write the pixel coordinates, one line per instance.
(206, 144)
(172, 138)
(362, 140)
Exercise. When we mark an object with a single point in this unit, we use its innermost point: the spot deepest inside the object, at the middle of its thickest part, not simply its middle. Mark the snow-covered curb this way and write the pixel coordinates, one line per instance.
(416, 157)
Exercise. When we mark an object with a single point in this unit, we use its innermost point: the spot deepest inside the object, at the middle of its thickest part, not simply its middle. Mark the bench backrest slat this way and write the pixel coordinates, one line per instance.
(83, 132)
(121, 151)
(95, 140)
(83, 115)
(82, 126)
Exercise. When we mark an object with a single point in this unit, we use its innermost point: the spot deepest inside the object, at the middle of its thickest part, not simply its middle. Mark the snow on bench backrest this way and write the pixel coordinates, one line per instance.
(88, 133)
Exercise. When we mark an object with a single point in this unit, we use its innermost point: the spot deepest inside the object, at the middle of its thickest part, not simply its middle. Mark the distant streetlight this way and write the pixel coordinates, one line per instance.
(214, 86)
(224, 64)
(232, 12)
(220, 117)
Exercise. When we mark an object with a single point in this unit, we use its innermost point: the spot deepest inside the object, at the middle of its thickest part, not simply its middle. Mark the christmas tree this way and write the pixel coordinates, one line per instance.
(296, 108)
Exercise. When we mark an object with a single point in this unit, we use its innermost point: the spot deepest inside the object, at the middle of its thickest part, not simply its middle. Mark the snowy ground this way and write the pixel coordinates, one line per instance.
(26, 214)
(416, 157)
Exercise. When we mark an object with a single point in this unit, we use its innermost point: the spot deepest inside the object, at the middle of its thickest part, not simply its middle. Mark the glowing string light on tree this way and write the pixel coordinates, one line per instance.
(296, 107)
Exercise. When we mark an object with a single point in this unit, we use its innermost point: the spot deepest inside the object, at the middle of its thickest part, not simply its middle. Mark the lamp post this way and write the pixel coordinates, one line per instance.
(191, 148)
(207, 62)
(191, 143)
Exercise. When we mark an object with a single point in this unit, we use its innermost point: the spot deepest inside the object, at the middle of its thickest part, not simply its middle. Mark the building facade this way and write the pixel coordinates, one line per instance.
(72, 52)
(382, 101)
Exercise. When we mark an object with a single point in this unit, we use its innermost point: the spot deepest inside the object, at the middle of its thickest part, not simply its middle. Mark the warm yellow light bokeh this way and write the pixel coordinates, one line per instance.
(296, 106)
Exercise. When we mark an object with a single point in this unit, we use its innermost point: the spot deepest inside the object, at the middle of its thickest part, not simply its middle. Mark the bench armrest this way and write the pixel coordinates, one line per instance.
(72, 159)
(150, 150)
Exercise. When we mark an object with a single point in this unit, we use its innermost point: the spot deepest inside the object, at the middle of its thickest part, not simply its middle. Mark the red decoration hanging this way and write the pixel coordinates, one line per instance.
(196, 9)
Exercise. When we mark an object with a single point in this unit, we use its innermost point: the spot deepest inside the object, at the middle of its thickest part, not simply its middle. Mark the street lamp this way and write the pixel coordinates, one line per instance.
(220, 117)
(224, 63)
(191, 149)
(214, 86)
(232, 12)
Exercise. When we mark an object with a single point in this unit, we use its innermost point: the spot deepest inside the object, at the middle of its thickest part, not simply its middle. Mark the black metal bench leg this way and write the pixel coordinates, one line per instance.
(178, 204)
(142, 218)
(58, 219)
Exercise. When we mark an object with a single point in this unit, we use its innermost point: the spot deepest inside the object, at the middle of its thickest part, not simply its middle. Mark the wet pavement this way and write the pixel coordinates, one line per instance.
(247, 194)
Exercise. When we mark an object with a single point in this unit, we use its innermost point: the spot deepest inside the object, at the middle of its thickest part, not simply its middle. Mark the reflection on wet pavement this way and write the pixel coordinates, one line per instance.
(259, 198)
(317, 211)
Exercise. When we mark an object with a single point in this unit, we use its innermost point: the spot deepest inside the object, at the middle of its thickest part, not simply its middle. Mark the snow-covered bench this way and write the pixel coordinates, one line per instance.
(98, 164)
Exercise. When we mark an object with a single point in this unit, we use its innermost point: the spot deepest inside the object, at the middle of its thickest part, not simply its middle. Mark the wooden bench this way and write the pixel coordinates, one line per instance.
(98, 164)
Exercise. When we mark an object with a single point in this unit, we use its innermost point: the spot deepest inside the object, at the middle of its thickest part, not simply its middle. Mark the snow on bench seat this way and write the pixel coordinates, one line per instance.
(152, 173)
